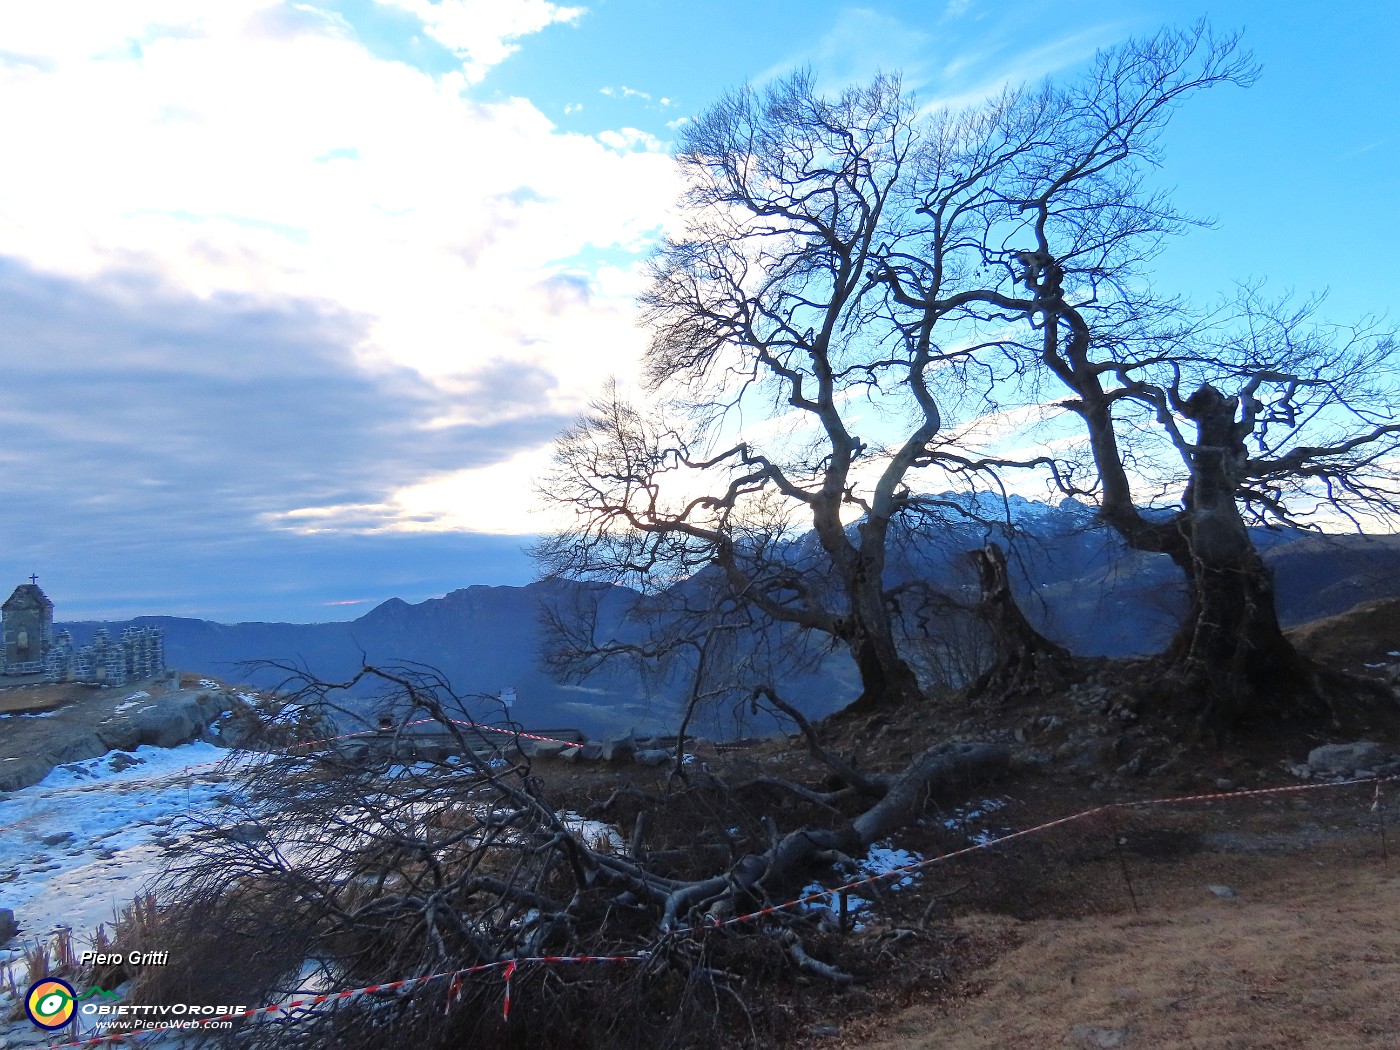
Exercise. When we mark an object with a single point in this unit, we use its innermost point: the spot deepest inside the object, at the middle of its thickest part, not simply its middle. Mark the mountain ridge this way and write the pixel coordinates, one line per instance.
(1074, 580)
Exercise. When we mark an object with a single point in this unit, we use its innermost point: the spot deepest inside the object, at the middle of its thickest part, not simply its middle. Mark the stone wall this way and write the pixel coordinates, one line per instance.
(140, 653)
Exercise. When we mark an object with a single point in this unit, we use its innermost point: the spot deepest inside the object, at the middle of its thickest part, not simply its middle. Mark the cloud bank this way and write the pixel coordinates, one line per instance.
(267, 275)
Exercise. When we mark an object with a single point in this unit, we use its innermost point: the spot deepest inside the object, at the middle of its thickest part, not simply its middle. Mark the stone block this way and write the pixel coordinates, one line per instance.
(619, 749)
(1346, 759)
(543, 748)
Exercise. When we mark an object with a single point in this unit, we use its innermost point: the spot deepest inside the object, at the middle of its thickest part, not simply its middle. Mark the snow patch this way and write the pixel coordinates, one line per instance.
(595, 833)
(968, 816)
(123, 824)
(884, 861)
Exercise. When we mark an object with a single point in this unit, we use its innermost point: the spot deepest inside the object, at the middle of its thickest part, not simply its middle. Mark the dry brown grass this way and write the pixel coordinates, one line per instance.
(35, 699)
(135, 928)
(1305, 954)
(1363, 634)
(54, 957)
(1309, 958)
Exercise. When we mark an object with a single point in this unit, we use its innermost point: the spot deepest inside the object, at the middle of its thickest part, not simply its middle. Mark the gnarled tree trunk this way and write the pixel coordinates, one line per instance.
(1026, 661)
(886, 678)
(1230, 650)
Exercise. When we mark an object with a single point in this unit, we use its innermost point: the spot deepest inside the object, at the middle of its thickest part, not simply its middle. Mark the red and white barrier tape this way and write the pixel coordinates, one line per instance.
(1072, 818)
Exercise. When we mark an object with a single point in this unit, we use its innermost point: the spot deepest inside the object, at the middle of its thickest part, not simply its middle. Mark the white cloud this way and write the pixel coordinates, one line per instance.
(257, 148)
(947, 67)
(476, 499)
(483, 34)
(627, 140)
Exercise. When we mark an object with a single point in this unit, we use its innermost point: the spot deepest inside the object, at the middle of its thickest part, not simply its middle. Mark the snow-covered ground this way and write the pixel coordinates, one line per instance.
(78, 846)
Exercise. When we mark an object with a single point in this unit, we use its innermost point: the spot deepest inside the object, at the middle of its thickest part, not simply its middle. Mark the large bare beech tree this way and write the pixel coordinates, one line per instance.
(762, 310)
(1044, 192)
(1282, 422)
(850, 267)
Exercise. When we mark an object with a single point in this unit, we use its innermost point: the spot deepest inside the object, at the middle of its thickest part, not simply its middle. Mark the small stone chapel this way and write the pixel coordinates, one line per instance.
(30, 646)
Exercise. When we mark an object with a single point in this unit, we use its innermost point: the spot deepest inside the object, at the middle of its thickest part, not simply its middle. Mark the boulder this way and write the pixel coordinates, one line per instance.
(619, 749)
(1346, 759)
(76, 747)
(16, 773)
(8, 926)
(119, 734)
(543, 748)
(172, 720)
(246, 832)
(703, 748)
(435, 750)
(653, 756)
(165, 725)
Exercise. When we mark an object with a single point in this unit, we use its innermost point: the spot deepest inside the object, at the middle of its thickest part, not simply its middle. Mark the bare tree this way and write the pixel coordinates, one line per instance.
(849, 263)
(1314, 407)
(1044, 192)
(763, 306)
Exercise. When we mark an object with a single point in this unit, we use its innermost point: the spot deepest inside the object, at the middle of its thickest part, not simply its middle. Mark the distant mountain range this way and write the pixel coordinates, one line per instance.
(1075, 580)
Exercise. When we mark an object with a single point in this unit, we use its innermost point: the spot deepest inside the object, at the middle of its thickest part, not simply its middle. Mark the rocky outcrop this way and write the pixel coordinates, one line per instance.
(167, 721)
(101, 721)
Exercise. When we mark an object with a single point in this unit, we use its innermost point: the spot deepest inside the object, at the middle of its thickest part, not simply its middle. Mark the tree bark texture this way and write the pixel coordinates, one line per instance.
(1026, 661)
(868, 630)
(1230, 646)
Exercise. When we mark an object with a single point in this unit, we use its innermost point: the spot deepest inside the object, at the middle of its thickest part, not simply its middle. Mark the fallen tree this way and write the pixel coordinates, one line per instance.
(380, 872)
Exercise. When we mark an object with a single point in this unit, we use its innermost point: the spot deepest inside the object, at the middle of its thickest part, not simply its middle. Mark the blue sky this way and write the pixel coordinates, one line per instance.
(296, 295)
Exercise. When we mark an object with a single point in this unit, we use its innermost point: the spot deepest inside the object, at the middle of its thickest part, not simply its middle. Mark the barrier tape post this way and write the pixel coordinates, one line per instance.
(1378, 808)
(505, 1004)
(1122, 860)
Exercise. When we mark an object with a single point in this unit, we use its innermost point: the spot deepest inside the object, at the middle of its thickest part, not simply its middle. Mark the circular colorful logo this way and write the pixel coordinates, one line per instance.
(49, 1003)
